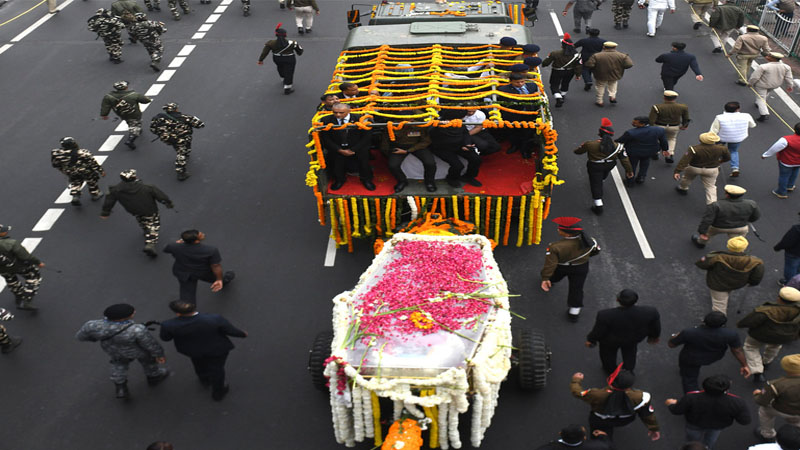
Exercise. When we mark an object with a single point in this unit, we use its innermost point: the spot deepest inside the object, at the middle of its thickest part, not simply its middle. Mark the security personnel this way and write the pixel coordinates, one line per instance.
(108, 28)
(702, 160)
(611, 408)
(15, 260)
(747, 48)
(603, 155)
(80, 167)
(566, 65)
(569, 258)
(766, 78)
(780, 397)
(770, 326)
(672, 117)
(125, 104)
(139, 199)
(149, 32)
(175, 128)
(729, 215)
(283, 51)
(7, 342)
(729, 270)
(152, 5)
(126, 10)
(246, 7)
(173, 7)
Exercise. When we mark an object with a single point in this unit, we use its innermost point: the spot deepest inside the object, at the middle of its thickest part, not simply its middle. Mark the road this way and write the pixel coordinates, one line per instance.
(247, 193)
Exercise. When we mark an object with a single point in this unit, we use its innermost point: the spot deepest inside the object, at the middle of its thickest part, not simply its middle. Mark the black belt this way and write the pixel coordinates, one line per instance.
(668, 124)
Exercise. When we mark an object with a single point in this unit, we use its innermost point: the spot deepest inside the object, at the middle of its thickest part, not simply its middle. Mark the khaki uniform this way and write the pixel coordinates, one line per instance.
(700, 8)
(608, 66)
(597, 397)
(770, 326)
(747, 48)
(703, 160)
(766, 78)
(671, 117)
(781, 398)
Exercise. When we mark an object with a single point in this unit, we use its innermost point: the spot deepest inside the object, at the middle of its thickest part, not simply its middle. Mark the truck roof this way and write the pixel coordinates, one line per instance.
(435, 32)
(476, 11)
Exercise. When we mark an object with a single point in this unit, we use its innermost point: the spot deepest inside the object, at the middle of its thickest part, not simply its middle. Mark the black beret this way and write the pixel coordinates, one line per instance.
(118, 311)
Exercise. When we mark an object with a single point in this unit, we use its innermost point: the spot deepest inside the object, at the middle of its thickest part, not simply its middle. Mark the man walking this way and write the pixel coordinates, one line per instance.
(766, 78)
(108, 28)
(655, 13)
(622, 329)
(583, 10)
(125, 105)
(16, 261)
(787, 151)
(125, 341)
(731, 216)
(608, 67)
(706, 344)
(699, 10)
(747, 48)
(675, 64)
(175, 128)
(149, 33)
(710, 411)
(702, 160)
(732, 128)
(204, 339)
(7, 342)
(770, 326)
(304, 11)
(80, 167)
(729, 270)
(779, 398)
(790, 244)
(672, 117)
(603, 155)
(196, 261)
(589, 46)
(283, 55)
(139, 200)
(724, 20)
(642, 143)
(621, 9)
(126, 11)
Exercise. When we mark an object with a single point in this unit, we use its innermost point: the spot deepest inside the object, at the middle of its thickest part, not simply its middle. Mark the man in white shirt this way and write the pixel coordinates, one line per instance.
(732, 128)
(655, 13)
(483, 140)
(766, 78)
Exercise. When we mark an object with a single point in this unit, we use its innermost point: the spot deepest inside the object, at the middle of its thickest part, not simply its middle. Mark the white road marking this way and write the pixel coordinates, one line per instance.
(330, 253)
(48, 219)
(556, 23)
(123, 126)
(111, 143)
(30, 244)
(647, 252)
(154, 90)
(220, 9)
(166, 75)
(2, 284)
(65, 197)
(5, 47)
(64, 5)
(144, 106)
(177, 62)
(226, 2)
(186, 50)
(100, 159)
(205, 27)
(213, 18)
(30, 29)
(198, 36)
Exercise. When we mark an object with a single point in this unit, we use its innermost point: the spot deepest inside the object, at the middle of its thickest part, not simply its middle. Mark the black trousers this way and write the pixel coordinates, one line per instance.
(486, 143)
(608, 425)
(285, 68)
(669, 82)
(424, 155)
(576, 275)
(211, 369)
(608, 356)
(188, 287)
(689, 376)
(450, 154)
(598, 172)
(640, 162)
(362, 159)
(559, 80)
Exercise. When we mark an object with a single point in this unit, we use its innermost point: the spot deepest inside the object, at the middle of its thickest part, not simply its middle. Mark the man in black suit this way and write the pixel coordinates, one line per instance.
(196, 261)
(622, 328)
(204, 339)
(522, 139)
(345, 144)
(448, 143)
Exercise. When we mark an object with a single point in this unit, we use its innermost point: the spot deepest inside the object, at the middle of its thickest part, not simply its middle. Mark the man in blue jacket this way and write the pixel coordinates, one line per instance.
(675, 64)
(204, 339)
(642, 143)
(589, 46)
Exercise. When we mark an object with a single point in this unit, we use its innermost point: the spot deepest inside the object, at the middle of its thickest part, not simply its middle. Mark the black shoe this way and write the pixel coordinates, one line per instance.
(76, 200)
(122, 390)
(337, 185)
(228, 277)
(130, 143)
(149, 8)
(187, 11)
(697, 25)
(511, 149)
(587, 86)
(639, 180)
(717, 50)
(696, 240)
(597, 209)
(157, 7)
(219, 395)
(152, 381)
(176, 17)
(246, 13)
(283, 6)
(572, 317)
(368, 185)
(682, 191)
(183, 176)
(668, 160)
(763, 118)
(617, 26)
(431, 187)
(629, 182)
(559, 102)
(116, 60)
(612, 100)
(133, 40)
(453, 182)
(150, 250)
(26, 305)
(624, 24)
(287, 91)
(741, 83)
(781, 282)
(400, 186)
(154, 66)
(471, 181)
(300, 30)
(308, 30)
(97, 197)
(13, 342)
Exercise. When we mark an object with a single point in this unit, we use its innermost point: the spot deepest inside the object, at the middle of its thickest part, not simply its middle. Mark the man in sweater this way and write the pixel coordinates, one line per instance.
(787, 151)
(724, 19)
(655, 13)
(702, 160)
(779, 398)
(790, 244)
(729, 216)
(730, 270)
(675, 64)
(608, 67)
(768, 77)
(748, 47)
(732, 128)
(642, 143)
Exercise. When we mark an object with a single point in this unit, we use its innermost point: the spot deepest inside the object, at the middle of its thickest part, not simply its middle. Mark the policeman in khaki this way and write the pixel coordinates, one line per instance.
(766, 78)
(702, 160)
(747, 48)
(780, 398)
(672, 117)
(729, 270)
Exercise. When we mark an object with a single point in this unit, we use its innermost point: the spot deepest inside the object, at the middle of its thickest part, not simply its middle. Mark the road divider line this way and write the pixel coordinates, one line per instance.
(220, 9)
(330, 253)
(30, 244)
(65, 197)
(198, 36)
(48, 219)
(647, 252)
(186, 50)
(154, 90)
(111, 142)
(100, 159)
(5, 47)
(30, 29)
(226, 2)
(205, 27)
(166, 75)
(213, 18)
(556, 23)
(123, 126)
(177, 62)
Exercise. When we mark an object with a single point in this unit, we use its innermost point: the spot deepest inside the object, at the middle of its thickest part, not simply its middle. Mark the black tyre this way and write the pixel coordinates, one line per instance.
(320, 351)
(534, 360)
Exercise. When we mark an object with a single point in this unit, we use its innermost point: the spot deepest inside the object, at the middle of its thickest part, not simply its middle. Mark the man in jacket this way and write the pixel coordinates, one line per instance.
(80, 167)
(770, 326)
(125, 105)
(603, 155)
(706, 344)
(139, 199)
(409, 140)
(204, 339)
(589, 46)
(126, 10)
(702, 160)
(608, 66)
(344, 143)
(125, 341)
(790, 244)
(622, 328)
(730, 270)
(787, 151)
(731, 216)
(108, 28)
(675, 64)
(724, 19)
(766, 78)
(747, 48)
(709, 411)
(732, 128)
(779, 398)
(176, 128)
(149, 33)
(642, 143)
(574, 437)
(197, 261)
(16, 261)
(672, 117)
(655, 13)
(304, 11)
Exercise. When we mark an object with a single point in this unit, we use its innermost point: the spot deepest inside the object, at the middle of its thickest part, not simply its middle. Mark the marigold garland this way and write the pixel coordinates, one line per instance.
(376, 416)
(348, 227)
(334, 223)
(521, 222)
(394, 212)
(419, 206)
(466, 208)
(405, 435)
(443, 205)
(487, 212)
(454, 201)
(497, 218)
(531, 210)
(367, 218)
(509, 209)
(320, 206)
(420, 320)
(477, 214)
(378, 229)
(432, 413)
(388, 217)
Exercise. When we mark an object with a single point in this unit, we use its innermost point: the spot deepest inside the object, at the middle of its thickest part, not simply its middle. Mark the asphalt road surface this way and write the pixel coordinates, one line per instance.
(247, 193)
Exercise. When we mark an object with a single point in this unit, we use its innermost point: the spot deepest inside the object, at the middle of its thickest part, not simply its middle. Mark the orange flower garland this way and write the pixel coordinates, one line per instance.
(405, 435)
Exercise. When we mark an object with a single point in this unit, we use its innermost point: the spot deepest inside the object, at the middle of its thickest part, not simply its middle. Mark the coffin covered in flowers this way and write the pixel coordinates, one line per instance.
(427, 327)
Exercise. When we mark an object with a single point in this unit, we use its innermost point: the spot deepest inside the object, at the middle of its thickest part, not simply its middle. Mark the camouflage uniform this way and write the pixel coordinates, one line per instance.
(152, 5)
(139, 199)
(80, 167)
(109, 29)
(123, 346)
(149, 33)
(16, 261)
(126, 11)
(125, 104)
(246, 7)
(174, 8)
(175, 129)
(622, 11)
(7, 343)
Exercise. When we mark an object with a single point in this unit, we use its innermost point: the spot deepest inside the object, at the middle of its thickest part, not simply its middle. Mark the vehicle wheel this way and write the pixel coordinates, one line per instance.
(320, 351)
(534, 360)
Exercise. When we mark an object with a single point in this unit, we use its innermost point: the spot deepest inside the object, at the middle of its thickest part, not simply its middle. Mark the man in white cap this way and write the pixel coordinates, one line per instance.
(608, 67)
(672, 117)
(779, 398)
(729, 270)
(787, 150)
(729, 215)
(770, 326)
(748, 47)
(732, 127)
(766, 78)
(702, 160)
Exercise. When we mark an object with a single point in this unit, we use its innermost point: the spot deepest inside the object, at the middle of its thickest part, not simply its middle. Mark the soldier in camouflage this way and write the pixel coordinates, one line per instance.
(80, 167)
(125, 104)
(152, 5)
(126, 10)
(173, 6)
(139, 199)
(149, 32)
(125, 341)
(109, 28)
(175, 128)
(16, 261)
(246, 7)
(7, 343)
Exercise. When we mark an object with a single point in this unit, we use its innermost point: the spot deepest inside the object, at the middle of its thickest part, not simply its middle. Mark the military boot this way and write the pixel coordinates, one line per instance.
(97, 197)
(150, 250)
(26, 304)
(183, 176)
(13, 342)
(76, 200)
(157, 7)
(122, 390)
(152, 381)
(155, 67)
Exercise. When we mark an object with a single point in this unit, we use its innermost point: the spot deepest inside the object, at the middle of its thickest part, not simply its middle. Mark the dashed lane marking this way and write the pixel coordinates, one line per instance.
(213, 18)
(166, 75)
(154, 90)
(556, 23)
(30, 244)
(111, 143)
(647, 252)
(48, 219)
(64, 198)
(177, 62)
(205, 27)
(220, 9)
(226, 2)
(330, 253)
(186, 50)
(198, 36)
(5, 47)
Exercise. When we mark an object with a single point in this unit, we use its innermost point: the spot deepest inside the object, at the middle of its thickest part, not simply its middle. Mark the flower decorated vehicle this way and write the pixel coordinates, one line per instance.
(423, 338)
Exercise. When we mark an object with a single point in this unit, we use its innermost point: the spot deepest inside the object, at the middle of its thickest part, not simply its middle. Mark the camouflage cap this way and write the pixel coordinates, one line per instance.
(140, 16)
(170, 107)
(68, 142)
(101, 11)
(121, 85)
(128, 175)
